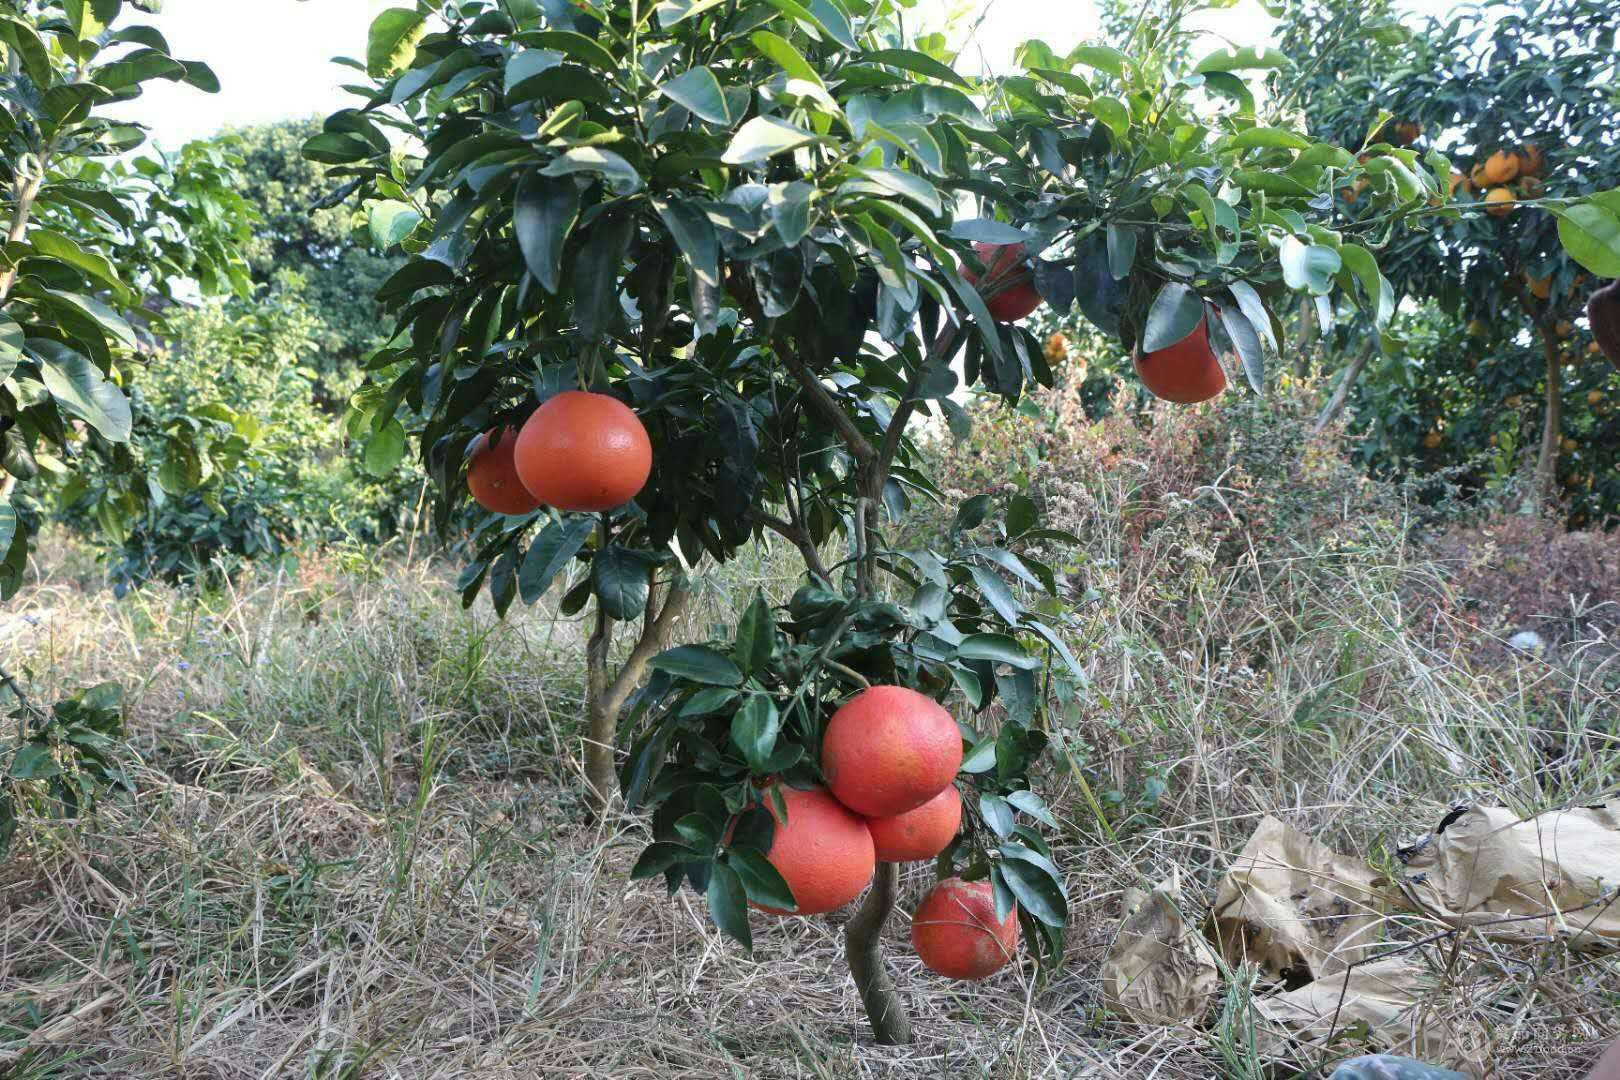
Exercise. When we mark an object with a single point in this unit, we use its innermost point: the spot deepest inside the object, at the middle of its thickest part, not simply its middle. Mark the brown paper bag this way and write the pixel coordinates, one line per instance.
(1159, 970)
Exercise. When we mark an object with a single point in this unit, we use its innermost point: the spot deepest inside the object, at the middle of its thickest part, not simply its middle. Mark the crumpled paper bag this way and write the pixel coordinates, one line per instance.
(1296, 907)
(1384, 995)
(1483, 865)
(1159, 970)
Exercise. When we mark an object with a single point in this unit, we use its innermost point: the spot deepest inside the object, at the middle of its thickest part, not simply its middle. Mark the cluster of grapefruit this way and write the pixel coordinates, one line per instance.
(1503, 178)
(578, 451)
(890, 756)
(1186, 372)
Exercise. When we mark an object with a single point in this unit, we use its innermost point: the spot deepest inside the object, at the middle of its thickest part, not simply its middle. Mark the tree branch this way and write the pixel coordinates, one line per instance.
(655, 631)
(822, 401)
(1341, 393)
(795, 535)
(863, 937)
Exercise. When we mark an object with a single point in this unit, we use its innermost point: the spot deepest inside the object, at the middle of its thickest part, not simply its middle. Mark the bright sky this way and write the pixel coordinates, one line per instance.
(275, 63)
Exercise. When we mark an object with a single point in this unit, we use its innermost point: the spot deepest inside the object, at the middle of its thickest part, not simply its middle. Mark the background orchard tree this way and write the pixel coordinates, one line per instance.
(90, 239)
(757, 224)
(1520, 96)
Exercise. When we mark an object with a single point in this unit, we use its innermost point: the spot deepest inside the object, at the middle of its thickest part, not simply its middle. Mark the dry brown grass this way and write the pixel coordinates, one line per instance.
(358, 849)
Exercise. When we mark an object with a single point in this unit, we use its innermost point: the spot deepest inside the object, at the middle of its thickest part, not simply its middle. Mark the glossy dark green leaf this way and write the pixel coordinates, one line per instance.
(700, 664)
(660, 856)
(699, 91)
(622, 579)
(1247, 342)
(997, 814)
(596, 274)
(1176, 312)
(762, 138)
(543, 216)
(754, 728)
(1308, 267)
(728, 904)
(81, 390)
(996, 648)
(761, 881)
(391, 43)
(756, 636)
(550, 553)
(1036, 882)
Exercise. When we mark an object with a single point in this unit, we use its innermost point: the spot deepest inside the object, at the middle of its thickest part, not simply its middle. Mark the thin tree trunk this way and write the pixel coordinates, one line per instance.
(863, 939)
(1552, 428)
(1341, 393)
(605, 698)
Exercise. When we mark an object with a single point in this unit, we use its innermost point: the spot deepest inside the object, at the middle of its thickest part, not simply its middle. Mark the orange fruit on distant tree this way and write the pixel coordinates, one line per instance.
(890, 749)
(1057, 348)
(1458, 181)
(1008, 276)
(823, 851)
(1433, 440)
(1186, 372)
(492, 475)
(1499, 202)
(1540, 287)
(1568, 446)
(1594, 397)
(956, 933)
(921, 833)
(1564, 328)
(1407, 132)
(1530, 160)
(1499, 168)
(584, 451)
(1530, 187)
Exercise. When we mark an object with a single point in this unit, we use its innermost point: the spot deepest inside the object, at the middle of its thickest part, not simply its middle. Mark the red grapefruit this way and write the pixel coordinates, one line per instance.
(492, 474)
(956, 933)
(1186, 372)
(890, 749)
(1006, 271)
(822, 851)
(583, 451)
(921, 833)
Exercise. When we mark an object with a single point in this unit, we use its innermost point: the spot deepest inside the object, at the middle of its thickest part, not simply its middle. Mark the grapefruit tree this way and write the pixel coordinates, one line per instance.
(1519, 94)
(775, 233)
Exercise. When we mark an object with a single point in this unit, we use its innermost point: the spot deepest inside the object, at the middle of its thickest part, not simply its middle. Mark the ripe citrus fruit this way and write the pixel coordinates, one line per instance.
(1540, 287)
(1499, 168)
(1499, 202)
(582, 451)
(1564, 328)
(1530, 160)
(1057, 348)
(888, 750)
(822, 851)
(921, 833)
(1594, 397)
(956, 933)
(1568, 446)
(1006, 271)
(1186, 372)
(492, 475)
(1407, 132)
(1433, 440)
(1530, 187)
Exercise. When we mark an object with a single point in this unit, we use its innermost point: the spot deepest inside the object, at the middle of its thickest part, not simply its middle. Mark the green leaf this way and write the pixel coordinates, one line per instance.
(660, 856)
(1590, 232)
(917, 63)
(81, 390)
(1033, 805)
(1268, 137)
(763, 883)
(762, 138)
(1247, 342)
(386, 449)
(8, 526)
(1175, 313)
(90, 17)
(1255, 309)
(1308, 266)
(1379, 294)
(544, 214)
(695, 234)
(997, 813)
(699, 91)
(138, 67)
(756, 635)
(993, 589)
(789, 59)
(622, 579)
(550, 553)
(754, 728)
(596, 274)
(981, 758)
(1113, 113)
(524, 66)
(576, 45)
(998, 649)
(620, 175)
(1100, 57)
(1247, 58)
(728, 903)
(391, 222)
(699, 664)
(391, 44)
(56, 246)
(33, 761)
(1036, 882)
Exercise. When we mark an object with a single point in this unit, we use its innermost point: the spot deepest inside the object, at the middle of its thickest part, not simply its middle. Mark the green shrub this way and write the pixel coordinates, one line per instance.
(265, 467)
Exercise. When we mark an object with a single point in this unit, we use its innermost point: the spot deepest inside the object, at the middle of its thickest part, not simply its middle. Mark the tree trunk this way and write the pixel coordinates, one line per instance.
(1552, 428)
(863, 940)
(605, 698)
(1341, 393)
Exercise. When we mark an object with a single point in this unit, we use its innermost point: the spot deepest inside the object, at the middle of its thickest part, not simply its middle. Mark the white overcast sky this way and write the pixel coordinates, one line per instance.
(276, 62)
